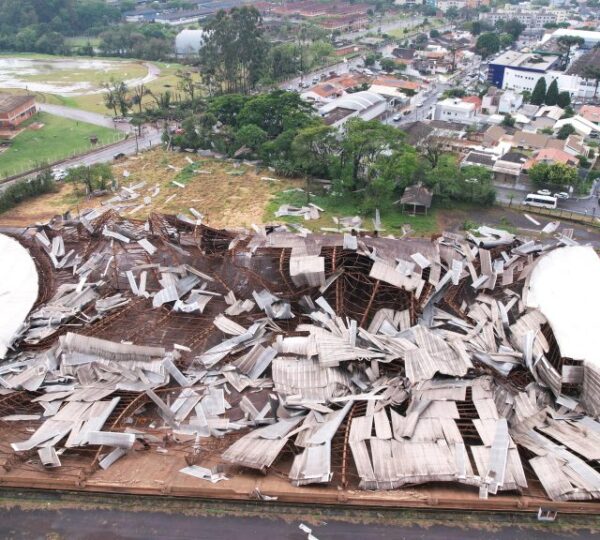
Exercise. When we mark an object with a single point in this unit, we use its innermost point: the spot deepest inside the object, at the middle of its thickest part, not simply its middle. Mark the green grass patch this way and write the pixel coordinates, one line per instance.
(59, 139)
(347, 205)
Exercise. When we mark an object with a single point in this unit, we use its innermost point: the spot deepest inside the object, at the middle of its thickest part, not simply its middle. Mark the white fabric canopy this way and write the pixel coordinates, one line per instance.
(565, 287)
(18, 289)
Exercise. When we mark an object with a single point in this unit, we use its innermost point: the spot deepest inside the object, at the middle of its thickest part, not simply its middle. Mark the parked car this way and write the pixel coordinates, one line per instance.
(118, 156)
(544, 192)
(561, 195)
(59, 174)
(397, 117)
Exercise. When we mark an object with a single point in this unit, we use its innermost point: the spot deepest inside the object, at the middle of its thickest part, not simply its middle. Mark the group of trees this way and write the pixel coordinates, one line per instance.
(557, 175)
(369, 160)
(41, 25)
(147, 41)
(236, 55)
(92, 178)
(550, 95)
(503, 35)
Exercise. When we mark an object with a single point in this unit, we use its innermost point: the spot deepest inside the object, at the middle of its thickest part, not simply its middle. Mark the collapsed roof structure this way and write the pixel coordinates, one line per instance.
(366, 362)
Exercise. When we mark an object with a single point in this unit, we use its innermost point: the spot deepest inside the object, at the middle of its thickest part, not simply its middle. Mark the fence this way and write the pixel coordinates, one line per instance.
(586, 219)
(33, 166)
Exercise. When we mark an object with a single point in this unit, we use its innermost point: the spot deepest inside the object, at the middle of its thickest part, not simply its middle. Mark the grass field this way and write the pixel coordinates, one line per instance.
(392, 220)
(58, 139)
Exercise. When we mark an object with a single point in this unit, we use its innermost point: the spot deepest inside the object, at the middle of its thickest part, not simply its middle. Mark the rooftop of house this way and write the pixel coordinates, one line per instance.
(9, 102)
(591, 113)
(513, 157)
(479, 158)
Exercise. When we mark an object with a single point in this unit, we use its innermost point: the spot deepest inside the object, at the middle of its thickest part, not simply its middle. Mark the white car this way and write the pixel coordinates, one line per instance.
(561, 195)
(420, 104)
(396, 117)
(545, 192)
(59, 174)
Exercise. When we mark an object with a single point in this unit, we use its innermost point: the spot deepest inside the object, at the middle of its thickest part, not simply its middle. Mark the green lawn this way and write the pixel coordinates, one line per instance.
(392, 219)
(58, 139)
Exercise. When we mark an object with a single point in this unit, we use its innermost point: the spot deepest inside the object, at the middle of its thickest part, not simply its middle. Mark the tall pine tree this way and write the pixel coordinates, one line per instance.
(538, 96)
(552, 94)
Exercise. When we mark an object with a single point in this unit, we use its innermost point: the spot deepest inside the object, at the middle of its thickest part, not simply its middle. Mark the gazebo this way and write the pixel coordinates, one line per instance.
(418, 197)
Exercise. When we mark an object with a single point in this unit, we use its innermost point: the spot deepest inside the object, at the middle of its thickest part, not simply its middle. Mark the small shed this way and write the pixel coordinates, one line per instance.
(417, 198)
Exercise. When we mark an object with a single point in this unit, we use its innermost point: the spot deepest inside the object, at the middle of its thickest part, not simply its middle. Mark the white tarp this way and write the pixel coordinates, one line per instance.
(565, 287)
(18, 289)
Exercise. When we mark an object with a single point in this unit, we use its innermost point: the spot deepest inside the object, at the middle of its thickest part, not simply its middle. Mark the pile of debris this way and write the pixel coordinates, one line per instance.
(425, 360)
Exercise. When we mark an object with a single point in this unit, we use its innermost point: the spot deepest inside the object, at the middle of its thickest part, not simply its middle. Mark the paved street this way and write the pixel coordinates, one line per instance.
(77, 524)
(84, 116)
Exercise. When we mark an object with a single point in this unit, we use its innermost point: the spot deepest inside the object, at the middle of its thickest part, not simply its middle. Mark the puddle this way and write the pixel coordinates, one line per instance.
(15, 73)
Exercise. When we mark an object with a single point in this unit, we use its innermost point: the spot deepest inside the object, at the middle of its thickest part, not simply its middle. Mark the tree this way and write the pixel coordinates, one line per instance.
(538, 96)
(434, 33)
(487, 44)
(566, 42)
(369, 60)
(387, 64)
(115, 96)
(452, 14)
(363, 143)
(555, 174)
(508, 120)
(139, 92)
(565, 131)
(251, 136)
(234, 53)
(514, 28)
(592, 72)
(564, 100)
(94, 177)
(552, 93)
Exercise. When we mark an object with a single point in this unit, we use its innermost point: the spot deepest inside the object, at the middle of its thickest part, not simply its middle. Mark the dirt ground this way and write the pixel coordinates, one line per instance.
(226, 196)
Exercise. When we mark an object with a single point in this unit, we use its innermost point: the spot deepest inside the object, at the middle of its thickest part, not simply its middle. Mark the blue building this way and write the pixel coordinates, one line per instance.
(517, 61)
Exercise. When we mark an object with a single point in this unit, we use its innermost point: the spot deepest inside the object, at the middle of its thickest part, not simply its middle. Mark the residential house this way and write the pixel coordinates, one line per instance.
(495, 134)
(551, 156)
(393, 89)
(322, 93)
(547, 116)
(454, 109)
(580, 124)
(489, 103)
(475, 100)
(575, 146)
(507, 168)
(590, 113)
(480, 159)
(509, 102)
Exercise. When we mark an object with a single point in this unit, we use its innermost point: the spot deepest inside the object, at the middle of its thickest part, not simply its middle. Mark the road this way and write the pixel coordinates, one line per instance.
(84, 116)
(582, 205)
(76, 524)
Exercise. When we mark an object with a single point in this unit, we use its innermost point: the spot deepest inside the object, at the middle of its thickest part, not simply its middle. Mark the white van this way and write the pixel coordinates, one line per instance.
(543, 201)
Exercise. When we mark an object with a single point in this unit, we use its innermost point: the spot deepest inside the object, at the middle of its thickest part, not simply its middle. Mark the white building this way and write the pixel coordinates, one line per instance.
(509, 102)
(521, 81)
(453, 109)
(445, 5)
(365, 105)
(189, 42)
(531, 18)
(590, 38)
(581, 126)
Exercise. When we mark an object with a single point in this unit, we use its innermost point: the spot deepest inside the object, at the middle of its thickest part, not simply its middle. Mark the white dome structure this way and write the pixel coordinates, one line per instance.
(189, 42)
